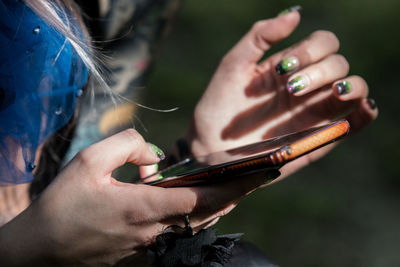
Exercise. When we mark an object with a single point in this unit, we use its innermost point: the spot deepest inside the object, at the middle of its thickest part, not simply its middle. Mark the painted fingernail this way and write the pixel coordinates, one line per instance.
(297, 84)
(371, 103)
(290, 9)
(287, 65)
(343, 88)
(157, 151)
(272, 175)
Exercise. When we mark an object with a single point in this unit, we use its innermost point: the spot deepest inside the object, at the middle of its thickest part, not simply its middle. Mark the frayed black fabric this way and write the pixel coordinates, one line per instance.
(179, 247)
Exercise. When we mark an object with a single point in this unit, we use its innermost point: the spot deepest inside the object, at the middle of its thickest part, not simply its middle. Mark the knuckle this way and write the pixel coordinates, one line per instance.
(85, 157)
(328, 37)
(259, 25)
(189, 204)
(307, 48)
(131, 133)
(332, 37)
(258, 32)
(342, 62)
(318, 76)
(308, 52)
(134, 217)
(133, 136)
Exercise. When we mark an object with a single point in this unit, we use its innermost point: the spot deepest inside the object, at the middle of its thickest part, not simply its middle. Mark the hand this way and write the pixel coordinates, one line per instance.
(86, 217)
(247, 101)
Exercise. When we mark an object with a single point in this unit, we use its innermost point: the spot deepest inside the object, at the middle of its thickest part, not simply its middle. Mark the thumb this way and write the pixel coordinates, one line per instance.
(112, 152)
(261, 36)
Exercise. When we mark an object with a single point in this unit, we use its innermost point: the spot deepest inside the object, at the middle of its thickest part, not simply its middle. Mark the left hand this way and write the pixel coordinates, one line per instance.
(247, 101)
(87, 218)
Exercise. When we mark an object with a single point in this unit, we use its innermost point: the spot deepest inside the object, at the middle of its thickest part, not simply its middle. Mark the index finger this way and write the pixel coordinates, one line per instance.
(112, 152)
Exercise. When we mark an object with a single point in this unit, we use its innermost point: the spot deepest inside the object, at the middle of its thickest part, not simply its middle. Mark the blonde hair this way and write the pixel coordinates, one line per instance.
(54, 12)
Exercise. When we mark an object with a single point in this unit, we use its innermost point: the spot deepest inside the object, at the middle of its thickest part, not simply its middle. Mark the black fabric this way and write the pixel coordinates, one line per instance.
(179, 247)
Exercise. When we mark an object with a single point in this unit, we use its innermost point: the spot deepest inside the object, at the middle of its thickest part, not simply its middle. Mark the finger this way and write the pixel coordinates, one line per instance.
(160, 203)
(148, 170)
(261, 36)
(353, 87)
(358, 119)
(219, 196)
(366, 112)
(317, 46)
(112, 152)
(317, 75)
(206, 225)
(204, 219)
(200, 221)
(156, 203)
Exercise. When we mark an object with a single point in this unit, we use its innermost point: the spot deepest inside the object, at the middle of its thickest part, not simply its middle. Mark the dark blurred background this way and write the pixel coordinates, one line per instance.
(344, 210)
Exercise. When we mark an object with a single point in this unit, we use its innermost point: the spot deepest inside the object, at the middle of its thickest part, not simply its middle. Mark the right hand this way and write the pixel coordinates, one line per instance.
(247, 101)
(86, 217)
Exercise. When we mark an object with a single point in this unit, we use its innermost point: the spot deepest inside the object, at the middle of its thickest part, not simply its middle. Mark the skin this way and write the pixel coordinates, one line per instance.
(86, 217)
(253, 103)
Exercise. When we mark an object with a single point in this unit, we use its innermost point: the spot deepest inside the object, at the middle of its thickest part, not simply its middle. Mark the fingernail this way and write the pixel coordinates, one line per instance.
(297, 84)
(371, 103)
(287, 65)
(157, 151)
(272, 175)
(290, 9)
(343, 88)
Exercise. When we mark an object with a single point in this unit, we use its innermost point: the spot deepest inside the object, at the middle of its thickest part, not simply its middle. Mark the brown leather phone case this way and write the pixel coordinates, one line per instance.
(262, 156)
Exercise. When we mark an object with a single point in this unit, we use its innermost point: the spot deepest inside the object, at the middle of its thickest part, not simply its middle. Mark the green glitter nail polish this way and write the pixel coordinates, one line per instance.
(287, 65)
(157, 151)
(297, 84)
(156, 167)
(290, 9)
(343, 87)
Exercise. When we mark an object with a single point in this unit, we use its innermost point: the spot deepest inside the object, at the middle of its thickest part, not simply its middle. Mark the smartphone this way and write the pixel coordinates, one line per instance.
(258, 157)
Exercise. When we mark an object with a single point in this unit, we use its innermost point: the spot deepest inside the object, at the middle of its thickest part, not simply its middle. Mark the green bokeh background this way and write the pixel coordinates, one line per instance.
(344, 209)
